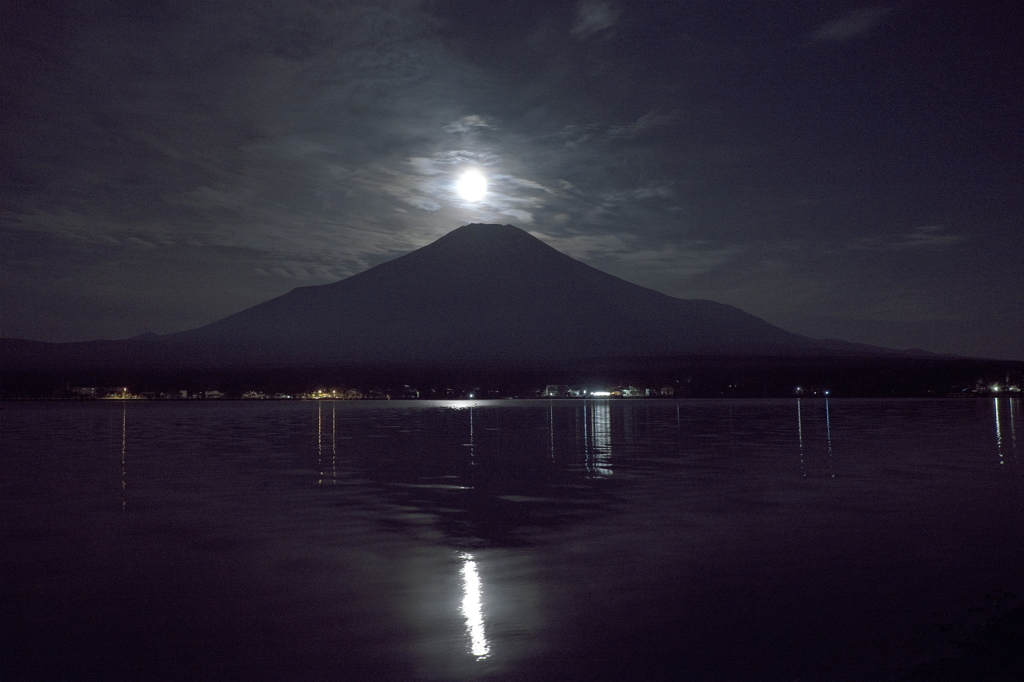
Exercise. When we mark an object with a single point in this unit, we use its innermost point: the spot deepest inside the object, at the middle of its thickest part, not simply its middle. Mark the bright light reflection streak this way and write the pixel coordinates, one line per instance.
(320, 440)
(551, 430)
(472, 608)
(800, 436)
(602, 434)
(828, 435)
(124, 456)
(999, 432)
(1013, 427)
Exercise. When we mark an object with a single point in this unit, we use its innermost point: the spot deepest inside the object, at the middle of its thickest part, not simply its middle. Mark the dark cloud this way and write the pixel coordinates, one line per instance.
(169, 163)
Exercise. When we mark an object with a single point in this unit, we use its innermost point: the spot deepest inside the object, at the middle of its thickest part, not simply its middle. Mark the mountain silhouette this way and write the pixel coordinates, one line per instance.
(483, 294)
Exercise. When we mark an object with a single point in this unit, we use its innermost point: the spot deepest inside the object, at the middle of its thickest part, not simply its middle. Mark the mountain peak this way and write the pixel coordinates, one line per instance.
(488, 236)
(485, 229)
(481, 249)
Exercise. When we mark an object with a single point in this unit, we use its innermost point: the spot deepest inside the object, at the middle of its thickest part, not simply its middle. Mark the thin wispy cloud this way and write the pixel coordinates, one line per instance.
(621, 252)
(852, 25)
(467, 124)
(594, 18)
(649, 121)
(575, 134)
(925, 237)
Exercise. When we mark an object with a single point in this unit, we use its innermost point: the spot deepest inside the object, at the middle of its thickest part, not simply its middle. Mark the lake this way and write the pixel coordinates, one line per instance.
(505, 540)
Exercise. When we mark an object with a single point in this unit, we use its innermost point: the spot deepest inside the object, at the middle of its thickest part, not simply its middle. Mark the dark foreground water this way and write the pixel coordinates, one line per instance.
(535, 540)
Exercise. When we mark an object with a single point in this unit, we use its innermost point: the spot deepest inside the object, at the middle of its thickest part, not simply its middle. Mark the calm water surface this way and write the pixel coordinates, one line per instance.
(505, 540)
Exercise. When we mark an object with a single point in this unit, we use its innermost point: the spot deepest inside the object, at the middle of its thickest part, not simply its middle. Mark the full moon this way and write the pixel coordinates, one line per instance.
(472, 185)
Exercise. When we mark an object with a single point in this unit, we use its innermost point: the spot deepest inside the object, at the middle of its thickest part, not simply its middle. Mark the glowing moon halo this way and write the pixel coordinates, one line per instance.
(472, 185)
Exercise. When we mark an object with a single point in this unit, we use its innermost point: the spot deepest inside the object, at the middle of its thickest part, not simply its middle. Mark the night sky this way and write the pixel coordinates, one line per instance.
(842, 170)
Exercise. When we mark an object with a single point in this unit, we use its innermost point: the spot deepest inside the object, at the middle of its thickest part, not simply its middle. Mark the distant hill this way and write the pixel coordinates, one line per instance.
(480, 296)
